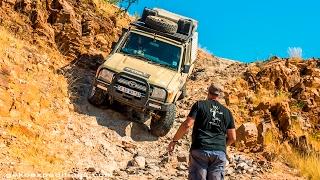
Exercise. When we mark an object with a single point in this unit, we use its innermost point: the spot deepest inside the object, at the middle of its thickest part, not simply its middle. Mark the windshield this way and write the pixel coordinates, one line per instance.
(152, 50)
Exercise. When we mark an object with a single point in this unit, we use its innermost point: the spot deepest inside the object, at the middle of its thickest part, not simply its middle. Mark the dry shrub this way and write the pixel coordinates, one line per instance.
(271, 142)
(307, 164)
(269, 96)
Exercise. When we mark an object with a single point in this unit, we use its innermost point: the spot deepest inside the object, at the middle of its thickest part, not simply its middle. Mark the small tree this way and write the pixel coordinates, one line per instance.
(295, 52)
(124, 4)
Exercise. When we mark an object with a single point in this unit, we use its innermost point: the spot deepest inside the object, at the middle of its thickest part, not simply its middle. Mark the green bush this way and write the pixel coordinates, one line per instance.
(112, 1)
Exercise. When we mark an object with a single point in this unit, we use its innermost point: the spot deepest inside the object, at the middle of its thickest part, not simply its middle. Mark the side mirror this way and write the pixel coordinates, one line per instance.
(124, 30)
(113, 45)
(186, 69)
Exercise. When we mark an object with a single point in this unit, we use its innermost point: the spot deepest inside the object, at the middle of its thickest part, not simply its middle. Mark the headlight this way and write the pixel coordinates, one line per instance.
(158, 93)
(106, 75)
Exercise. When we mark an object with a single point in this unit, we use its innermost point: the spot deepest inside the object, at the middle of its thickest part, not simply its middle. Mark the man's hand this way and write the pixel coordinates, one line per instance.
(183, 129)
(171, 146)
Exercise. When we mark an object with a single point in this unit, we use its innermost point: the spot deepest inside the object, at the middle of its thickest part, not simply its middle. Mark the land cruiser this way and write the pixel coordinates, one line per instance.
(148, 67)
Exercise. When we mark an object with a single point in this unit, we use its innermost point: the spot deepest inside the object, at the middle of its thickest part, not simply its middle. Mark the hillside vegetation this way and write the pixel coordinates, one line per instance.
(281, 97)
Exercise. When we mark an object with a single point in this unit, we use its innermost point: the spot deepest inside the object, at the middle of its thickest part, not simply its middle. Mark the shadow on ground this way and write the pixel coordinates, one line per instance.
(80, 73)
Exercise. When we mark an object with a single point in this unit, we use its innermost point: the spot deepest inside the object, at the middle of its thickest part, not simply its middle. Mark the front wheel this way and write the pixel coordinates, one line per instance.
(97, 96)
(161, 125)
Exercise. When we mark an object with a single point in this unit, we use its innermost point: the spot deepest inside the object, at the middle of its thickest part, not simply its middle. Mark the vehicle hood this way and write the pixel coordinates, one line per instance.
(158, 75)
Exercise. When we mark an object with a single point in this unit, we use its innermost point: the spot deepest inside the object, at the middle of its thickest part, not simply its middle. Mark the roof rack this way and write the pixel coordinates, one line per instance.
(176, 36)
(174, 17)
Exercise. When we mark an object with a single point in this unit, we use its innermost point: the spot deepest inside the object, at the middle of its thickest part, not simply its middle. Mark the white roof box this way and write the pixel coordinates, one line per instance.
(174, 17)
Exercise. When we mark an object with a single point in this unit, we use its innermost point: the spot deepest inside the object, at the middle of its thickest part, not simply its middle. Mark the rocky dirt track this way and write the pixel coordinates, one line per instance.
(49, 51)
(134, 152)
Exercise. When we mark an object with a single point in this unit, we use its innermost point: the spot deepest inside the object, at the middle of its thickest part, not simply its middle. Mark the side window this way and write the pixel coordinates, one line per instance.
(187, 54)
(194, 47)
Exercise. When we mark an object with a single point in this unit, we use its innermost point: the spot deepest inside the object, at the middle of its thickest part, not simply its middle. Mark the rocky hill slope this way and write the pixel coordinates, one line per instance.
(39, 128)
(49, 51)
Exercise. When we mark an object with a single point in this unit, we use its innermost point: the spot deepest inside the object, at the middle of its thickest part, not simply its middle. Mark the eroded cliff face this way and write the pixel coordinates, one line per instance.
(73, 28)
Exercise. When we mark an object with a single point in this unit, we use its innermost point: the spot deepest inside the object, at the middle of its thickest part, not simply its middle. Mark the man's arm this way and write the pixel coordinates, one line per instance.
(231, 136)
(231, 130)
(183, 129)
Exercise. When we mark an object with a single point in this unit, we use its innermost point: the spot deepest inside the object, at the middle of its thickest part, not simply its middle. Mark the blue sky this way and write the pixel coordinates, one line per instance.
(250, 30)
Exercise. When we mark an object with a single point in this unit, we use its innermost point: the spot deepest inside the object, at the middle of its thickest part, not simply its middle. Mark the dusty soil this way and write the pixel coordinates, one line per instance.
(49, 52)
(130, 139)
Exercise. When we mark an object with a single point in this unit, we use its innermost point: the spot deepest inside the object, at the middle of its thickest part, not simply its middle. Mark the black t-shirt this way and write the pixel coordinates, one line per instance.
(212, 120)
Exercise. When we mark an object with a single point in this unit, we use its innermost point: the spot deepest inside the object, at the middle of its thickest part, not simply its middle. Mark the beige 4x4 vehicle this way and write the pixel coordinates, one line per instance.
(148, 67)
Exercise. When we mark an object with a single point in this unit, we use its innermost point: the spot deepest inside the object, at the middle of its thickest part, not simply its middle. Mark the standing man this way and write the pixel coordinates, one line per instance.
(213, 130)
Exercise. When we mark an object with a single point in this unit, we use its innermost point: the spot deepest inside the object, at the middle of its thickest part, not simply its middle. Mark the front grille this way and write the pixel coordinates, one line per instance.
(132, 83)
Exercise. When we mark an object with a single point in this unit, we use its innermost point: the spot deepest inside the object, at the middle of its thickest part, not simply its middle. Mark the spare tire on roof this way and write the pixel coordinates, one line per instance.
(161, 24)
(185, 26)
(148, 12)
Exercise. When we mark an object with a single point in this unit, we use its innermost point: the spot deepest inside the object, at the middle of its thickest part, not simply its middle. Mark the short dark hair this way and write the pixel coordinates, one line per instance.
(215, 89)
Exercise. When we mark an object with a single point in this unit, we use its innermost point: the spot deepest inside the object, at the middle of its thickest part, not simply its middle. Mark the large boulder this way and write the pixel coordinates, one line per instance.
(139, 161)
(297, 90)
(231, 99)
(278, 75)
(248, 134)
(281, 114)
(23, 6)
(67, 27)
(309, 104)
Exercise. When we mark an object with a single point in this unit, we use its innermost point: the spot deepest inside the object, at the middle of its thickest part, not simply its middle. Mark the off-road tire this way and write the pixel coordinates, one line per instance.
(161, 126)
(161, 24)
(183, 92)
(97, 96)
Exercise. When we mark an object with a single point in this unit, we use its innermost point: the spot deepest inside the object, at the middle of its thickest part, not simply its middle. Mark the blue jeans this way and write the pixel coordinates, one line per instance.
(206, 165)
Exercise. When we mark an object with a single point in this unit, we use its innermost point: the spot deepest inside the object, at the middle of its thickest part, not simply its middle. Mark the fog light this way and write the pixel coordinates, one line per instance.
(154, 106)
(102, 87)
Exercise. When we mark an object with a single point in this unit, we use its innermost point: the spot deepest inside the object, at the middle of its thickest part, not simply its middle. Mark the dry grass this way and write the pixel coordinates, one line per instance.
(308, 165)
(271, 142)
(269, 138)
(270, 96)
(296, 128)
(314, 140)
(280, 96)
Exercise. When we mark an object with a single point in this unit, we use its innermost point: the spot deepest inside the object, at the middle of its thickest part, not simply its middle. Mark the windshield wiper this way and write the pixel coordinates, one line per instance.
(162, 65)
(165, 65)
(134, 55)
